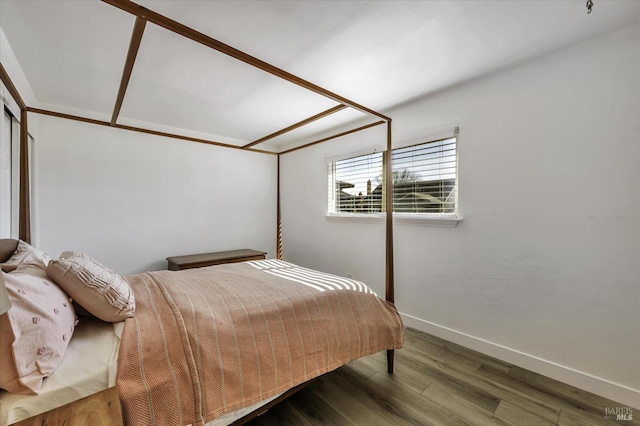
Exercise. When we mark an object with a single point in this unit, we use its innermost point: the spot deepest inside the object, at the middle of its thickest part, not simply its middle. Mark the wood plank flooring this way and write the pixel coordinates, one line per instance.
(439, 383)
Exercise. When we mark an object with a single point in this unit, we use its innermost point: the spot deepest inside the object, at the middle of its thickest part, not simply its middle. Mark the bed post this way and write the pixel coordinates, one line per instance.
(278, 218)
(389, 288)
(24, 225)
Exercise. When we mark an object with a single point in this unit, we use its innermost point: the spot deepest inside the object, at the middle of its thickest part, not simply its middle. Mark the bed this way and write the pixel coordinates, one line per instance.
(210, 345)
(343, 314)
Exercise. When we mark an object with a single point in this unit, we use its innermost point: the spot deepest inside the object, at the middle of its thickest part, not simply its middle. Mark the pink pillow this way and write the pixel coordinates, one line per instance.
(93, 286)
(35, 332)
(26, 256)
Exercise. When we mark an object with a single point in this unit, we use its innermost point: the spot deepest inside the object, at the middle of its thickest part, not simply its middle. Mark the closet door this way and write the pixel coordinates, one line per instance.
(9, 175)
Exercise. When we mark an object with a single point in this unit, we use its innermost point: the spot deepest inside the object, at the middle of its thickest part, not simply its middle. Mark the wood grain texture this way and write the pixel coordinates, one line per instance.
(13, 91)
(518, 415)
(134, 45)
(140, 130)
(440, 383)
(339, 135)
(389, 265)
(178, 263)
(24, 214)
(198, 37)
(278, 216)
(297, 125)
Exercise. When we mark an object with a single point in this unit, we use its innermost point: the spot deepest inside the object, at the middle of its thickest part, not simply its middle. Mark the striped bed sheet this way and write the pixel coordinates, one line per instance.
(205, 342)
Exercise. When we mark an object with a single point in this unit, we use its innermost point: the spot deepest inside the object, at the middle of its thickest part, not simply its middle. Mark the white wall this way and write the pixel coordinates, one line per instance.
(19, 79)
(543, 271)
(130, 199)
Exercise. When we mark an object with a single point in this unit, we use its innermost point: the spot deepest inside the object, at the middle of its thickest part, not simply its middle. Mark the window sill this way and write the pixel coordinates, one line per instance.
(449, 220)
(445, 220)
(356, 217)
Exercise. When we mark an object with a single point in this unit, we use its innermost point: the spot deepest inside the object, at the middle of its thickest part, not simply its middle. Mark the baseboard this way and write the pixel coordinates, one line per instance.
(616, 392)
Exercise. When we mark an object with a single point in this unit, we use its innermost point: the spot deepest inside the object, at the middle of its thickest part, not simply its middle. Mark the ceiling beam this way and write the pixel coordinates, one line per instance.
(134, 45)
(298, 125)
(13, 91)
(348, 132)
(141, 130)
(190, 33)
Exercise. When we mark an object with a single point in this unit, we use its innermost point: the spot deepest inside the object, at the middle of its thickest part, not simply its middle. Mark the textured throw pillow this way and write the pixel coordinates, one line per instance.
(26, 256)
(93, 286)
(35, 332)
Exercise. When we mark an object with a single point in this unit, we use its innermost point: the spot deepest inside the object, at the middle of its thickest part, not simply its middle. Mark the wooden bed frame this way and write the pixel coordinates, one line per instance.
(144, 15)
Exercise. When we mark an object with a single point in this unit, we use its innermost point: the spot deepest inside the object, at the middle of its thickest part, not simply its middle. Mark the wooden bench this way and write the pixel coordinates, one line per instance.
(178, 263)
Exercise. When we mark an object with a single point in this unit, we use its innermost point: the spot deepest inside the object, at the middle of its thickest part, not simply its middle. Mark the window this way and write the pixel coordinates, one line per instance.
(424, 177)
(424, 181)
(355, 184)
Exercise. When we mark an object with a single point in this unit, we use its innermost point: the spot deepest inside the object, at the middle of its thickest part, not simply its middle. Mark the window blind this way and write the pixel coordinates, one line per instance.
(355, 184)
(424, 180)
(424, 177)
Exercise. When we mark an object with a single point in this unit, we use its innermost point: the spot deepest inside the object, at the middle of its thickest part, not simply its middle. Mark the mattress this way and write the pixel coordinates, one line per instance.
(89, 366)
(229, 418)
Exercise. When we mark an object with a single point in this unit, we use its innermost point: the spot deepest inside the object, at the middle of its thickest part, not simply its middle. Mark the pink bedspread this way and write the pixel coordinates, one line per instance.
(208, 341)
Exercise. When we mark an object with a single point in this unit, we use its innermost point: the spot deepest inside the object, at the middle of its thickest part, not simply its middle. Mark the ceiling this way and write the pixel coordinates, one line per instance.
(375, 53)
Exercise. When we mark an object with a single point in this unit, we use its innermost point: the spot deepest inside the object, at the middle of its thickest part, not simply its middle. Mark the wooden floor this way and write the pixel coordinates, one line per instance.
(439, 383)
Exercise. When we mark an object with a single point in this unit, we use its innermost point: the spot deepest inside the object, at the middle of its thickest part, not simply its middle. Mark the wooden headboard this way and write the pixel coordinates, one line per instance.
(7, 247)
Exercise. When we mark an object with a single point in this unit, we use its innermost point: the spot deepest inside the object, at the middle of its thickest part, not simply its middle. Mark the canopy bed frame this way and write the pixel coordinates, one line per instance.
(144, 15)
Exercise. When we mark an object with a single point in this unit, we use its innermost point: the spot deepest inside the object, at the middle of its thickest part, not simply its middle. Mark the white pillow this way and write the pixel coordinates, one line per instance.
(26, 256)
(35, 332)
(93, 286)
